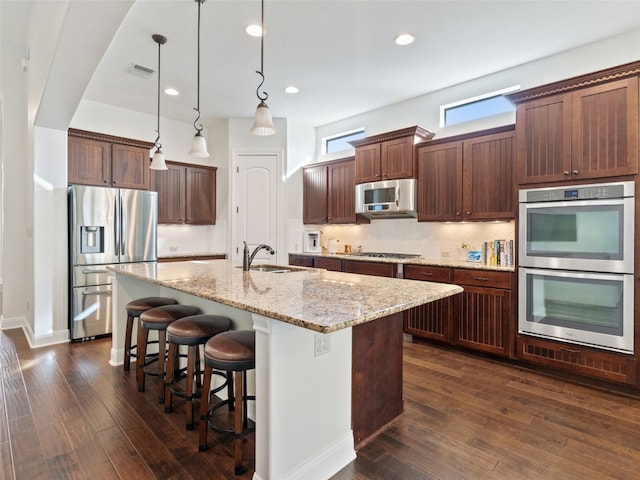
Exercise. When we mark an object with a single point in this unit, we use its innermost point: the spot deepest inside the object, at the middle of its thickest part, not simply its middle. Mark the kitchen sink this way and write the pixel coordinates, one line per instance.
(274, 268)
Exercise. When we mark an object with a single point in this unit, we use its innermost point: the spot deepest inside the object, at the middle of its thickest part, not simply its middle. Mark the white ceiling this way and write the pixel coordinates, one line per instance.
(340, 54)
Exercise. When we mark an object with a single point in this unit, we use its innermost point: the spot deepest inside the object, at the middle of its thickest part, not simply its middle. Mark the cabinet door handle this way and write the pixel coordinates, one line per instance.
(457, 214)
(575, 172)
(566, 172)
(482, 279)
(468, 213)
(426, 274)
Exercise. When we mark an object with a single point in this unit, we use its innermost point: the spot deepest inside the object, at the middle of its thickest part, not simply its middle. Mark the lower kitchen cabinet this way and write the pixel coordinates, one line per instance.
(328, 263)
(578, 359)
(480, 318)
(190, 258)
(379, 269)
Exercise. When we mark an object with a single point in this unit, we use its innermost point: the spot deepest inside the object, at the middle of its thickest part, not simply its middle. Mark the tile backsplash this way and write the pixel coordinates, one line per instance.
(429, 239)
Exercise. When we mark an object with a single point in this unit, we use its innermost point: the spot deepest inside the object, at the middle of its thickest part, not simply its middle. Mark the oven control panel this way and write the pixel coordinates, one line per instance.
(583, 192)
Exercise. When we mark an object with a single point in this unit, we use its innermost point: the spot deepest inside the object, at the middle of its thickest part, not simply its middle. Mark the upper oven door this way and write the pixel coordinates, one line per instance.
(588, 235)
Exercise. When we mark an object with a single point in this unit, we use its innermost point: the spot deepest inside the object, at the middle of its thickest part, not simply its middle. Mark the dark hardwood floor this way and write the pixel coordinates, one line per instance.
(65, 413)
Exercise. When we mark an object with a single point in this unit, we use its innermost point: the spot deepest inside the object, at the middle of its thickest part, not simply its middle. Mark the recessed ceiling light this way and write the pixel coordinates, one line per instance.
(291, 89)
(254, 30)
(171, 91)
(405, 39)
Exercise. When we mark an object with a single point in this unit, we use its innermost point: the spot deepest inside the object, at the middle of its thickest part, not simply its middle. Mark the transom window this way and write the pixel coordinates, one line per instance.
(493, 103)
(340, 142)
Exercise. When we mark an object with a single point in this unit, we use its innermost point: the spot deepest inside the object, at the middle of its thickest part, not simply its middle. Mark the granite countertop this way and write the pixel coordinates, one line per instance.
(315, 299)
(439, 262)
(189, 255)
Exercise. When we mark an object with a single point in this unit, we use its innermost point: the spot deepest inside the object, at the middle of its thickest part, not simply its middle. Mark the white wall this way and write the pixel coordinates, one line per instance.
(16, 291)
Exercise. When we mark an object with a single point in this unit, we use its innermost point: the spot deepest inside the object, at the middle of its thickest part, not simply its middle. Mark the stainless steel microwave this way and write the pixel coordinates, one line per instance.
(387, 199)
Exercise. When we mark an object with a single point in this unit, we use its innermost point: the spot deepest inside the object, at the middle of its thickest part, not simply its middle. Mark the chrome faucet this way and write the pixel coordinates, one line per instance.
(247, 259)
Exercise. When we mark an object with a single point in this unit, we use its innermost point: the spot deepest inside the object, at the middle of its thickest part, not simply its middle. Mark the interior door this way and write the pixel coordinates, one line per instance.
(256, 205)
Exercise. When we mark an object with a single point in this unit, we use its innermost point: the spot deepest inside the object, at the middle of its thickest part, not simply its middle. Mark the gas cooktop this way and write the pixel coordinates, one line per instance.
(386, 255)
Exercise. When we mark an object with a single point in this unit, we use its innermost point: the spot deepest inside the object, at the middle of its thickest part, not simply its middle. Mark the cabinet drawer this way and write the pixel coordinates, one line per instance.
(379, 269)
(578, 359)
(300, 260)
(334, 264)
(483, 278)
(427, 272)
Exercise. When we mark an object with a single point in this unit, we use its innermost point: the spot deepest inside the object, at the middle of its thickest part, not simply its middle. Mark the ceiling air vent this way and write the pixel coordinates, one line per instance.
(141, 70)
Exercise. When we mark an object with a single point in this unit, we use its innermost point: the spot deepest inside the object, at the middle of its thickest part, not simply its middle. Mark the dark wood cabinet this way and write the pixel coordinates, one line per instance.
(387, 156)
(107, 161)
(314, 194)
(300, 260)
(467, 177)
(431, 320)
(481, 318)
(329, 193)
(440, 182)
(379, 269)
(328, 263)
(186, 194)
(581, 128)
(578, 359)
(190, 258)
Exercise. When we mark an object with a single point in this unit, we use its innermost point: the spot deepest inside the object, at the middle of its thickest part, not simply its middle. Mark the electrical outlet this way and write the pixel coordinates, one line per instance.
(322, 344)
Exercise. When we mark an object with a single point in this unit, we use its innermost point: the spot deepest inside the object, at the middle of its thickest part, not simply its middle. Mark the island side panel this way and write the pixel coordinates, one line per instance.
(376, 376)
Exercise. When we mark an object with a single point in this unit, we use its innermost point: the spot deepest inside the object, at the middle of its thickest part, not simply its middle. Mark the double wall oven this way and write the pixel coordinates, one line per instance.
(576, 264)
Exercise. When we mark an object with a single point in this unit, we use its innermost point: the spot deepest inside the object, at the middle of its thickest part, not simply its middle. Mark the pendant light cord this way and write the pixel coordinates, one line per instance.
(199, 127)
(160, 40)
(264, 95)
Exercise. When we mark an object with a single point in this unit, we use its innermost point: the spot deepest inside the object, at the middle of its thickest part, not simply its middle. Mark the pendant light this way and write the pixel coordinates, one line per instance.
(157, 163)
(199, 145)
(262, 124)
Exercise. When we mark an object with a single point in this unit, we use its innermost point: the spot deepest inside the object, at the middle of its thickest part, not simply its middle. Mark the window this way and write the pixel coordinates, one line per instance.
(482, 106)
(340, 142)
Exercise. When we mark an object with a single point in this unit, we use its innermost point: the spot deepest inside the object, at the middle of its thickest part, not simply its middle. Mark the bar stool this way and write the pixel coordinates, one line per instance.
(192, 332)
(232, 351)
(158, 318)
(134, 309)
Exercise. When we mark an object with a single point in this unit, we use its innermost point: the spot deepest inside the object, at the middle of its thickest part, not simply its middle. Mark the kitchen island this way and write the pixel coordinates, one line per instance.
(328, 351)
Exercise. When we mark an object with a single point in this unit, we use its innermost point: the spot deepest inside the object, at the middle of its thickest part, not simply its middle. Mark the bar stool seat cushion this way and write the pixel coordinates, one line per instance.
(197, 329)
(159, 318)
(140, 305)
(231, 351)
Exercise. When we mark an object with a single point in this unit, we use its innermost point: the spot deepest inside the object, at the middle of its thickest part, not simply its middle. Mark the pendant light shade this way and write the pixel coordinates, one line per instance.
(263, 123)
(199, 144)
(157, 163)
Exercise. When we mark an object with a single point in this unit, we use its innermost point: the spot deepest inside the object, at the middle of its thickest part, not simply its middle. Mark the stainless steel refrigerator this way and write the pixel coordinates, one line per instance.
(107, 226)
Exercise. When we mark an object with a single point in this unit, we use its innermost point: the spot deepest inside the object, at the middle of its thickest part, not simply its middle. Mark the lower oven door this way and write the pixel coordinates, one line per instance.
(593, 309)
(91, 311)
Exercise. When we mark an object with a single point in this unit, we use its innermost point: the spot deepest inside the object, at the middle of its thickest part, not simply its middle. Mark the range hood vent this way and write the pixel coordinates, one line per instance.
(141, 70)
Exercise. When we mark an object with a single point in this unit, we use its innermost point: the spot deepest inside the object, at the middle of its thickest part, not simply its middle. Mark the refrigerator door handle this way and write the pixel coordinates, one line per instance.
(96, 292)
(122, 224)
(116, 227)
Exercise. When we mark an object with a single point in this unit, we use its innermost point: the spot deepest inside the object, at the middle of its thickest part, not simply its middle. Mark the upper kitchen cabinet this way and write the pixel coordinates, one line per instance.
(186, 194)
(467, 177)
(329, 193)
(104, 160)
(581, 128)
(387, 156)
